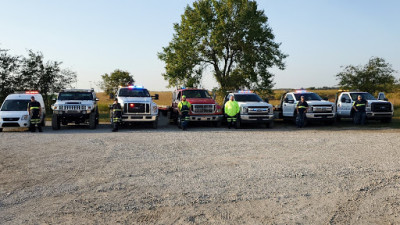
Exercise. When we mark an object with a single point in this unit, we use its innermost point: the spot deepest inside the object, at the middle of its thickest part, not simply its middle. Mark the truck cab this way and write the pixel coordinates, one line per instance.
(14, 110)
(137, 105)
(375, 110)
(252, 108)
(203, 106)
(319, 109)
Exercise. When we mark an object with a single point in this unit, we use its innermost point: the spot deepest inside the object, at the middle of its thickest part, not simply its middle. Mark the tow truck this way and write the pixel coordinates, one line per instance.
(137, 105)
(376, 109)
(252, 108)
(204, 107)
(319, 109)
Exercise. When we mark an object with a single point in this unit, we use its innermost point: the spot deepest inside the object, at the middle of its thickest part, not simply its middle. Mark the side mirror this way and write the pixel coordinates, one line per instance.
(96, 99)
(155, 97)
(112, 96)
(285, 100)
(266, 100)
(326, 99)
(386, 99)
(54, 99)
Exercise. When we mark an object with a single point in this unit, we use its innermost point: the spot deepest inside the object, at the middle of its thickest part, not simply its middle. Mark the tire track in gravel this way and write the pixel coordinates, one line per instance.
(347, 210)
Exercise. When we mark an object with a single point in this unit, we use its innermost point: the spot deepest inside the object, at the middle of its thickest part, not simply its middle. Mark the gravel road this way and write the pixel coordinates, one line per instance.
(202, 176)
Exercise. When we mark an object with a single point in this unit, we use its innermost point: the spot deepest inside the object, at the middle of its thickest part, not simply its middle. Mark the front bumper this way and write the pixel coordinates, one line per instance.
(213, 118)
(256, 118)
(320, 116)
(139, 118)
(20, 123)
(379, 115)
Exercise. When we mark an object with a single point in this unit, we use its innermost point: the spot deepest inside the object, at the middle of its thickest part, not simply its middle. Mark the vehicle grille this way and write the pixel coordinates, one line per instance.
(136, 108)
(10, 119)
(321, 108)
(72, 107)
(381, 107)
(200, 108)
(258, 110)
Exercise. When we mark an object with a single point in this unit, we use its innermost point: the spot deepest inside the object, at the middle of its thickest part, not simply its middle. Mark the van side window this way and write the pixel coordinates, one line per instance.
(289, 97)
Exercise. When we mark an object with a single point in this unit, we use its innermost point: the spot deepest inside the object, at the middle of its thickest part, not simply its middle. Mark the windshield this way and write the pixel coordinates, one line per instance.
(128, 92)
(75, 96)
(365, 95)
(15, 105)
(247, 98)
(308, 96)
(196, 94)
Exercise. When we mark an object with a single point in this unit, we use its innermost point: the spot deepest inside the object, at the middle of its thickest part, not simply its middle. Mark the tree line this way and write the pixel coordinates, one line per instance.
(32, 72)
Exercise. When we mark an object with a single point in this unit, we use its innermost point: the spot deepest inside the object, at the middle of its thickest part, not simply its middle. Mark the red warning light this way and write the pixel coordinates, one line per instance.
(131, 105)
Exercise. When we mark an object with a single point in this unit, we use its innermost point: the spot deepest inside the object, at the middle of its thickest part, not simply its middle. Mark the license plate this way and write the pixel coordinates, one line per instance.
(72, 111)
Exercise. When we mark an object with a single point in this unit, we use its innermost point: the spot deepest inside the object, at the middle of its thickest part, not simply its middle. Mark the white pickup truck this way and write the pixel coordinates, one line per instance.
(375, 110)
(318, 110)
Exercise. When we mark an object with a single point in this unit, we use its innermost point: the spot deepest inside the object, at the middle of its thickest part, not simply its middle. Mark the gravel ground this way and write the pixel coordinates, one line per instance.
(203, 176)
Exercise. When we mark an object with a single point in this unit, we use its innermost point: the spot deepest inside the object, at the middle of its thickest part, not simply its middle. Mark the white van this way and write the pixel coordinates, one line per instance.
(14, 110)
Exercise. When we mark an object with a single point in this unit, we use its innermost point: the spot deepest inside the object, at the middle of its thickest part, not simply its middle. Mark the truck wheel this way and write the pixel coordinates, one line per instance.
(92, 121)
(1, 129)
(155, 124)
(43, 123)
(269, 124)
(178, 121)
(330, 122)
(386, 120)
(238, 124)
(218, 123)
(55, 122)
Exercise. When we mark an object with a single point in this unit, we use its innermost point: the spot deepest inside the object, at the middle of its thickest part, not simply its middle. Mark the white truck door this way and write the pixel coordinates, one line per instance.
(344, 105)
(289, 105)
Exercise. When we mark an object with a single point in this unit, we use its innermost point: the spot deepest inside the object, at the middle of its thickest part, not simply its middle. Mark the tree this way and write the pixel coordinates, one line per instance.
(231, 36)
(9, 66)
(117, 78)
(375, 76)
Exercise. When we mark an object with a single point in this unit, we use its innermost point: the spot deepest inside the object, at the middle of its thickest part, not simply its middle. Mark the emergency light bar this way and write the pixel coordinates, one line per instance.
(301, 91)
(135, 87)
(31, 92)
(245, 91)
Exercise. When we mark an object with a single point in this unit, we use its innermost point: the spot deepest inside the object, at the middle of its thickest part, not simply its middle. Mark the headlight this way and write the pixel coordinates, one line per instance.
(271, 110)
(25, 117)
(244, 110)
(218, 109)
(310, 109)
(155, 108)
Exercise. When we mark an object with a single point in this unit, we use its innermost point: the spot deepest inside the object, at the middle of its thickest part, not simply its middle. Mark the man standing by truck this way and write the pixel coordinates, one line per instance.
(231, 110)
(183, 110)
(116, 115)
(301, 108)
(359, 107)
(34, 110)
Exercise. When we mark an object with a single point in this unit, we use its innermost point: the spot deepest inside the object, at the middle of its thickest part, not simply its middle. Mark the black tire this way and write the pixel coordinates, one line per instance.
(269, 125)
(43, 123)
(155, 124)
(238, 123)
(1, 129)
(338, 119)
(55, 122)
(218, 123)
(179, 122)
(92, 121)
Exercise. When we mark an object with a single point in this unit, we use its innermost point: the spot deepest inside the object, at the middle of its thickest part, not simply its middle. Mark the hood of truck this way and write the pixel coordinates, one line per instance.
(74, 102)
(201, 100)
(249, 104)
(12, 114)
(377, 101)
(323, 102)
(123, 100)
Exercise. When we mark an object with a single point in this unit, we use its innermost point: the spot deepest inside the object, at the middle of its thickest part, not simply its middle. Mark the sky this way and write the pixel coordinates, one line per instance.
(94, 37)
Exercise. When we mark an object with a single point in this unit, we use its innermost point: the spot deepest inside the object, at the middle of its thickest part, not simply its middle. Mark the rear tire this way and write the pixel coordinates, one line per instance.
(155, 124)
(55, 122)
(178, 121)
(238, 123)
(43, 123)
(218, 123)
(92, 121)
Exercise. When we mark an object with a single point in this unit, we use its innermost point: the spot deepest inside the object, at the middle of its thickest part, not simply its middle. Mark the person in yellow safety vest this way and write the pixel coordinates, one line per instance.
(34, 110)
(359, 107)
(231, 110)
(301, 108)
(183, 110)
(116, 115)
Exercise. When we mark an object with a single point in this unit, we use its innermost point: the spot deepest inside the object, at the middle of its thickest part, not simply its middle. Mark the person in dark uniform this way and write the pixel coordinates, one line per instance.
(183, 110)
(116, 115)
(301, 108)
(359, 107)
(34, 110)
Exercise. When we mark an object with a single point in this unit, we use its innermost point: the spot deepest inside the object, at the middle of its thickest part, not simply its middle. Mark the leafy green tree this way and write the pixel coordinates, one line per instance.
(231, 36)
(375, 76)
(110, 83)
(9, 67)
